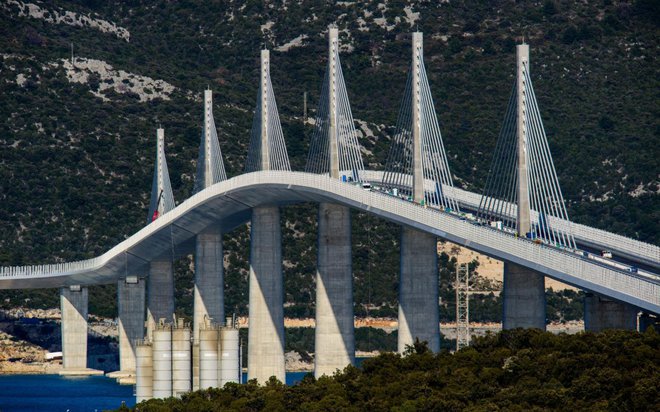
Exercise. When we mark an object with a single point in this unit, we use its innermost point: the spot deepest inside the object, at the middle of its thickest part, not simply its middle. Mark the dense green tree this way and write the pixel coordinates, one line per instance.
(517, 370)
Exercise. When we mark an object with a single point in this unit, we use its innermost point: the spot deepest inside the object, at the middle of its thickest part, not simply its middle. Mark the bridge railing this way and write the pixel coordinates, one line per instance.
(606, 240)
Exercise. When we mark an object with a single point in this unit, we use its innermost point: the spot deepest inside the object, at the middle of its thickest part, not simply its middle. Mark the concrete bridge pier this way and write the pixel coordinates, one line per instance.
(130, 298)
(209, 289)
(266, 332)
(601, 313)
(160, 293)
(73, 304)
(335, 338)
(523, 298)
(419, 317)
(209, 280)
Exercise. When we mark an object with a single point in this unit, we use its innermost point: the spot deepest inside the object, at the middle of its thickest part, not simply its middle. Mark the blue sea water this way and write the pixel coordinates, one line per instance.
(50, 393)
(54, 393)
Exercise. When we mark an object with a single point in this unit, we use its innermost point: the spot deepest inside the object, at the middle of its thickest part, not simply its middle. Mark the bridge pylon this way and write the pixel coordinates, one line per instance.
(522, 188)
(335, 151)
(334, 148)
(266, 301)
(162, 198)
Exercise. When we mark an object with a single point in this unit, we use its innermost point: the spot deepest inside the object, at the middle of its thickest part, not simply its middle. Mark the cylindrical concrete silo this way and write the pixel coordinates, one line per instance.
(208, 357)
(162, 361)
(195, 366)
(181, 360)
(144, 371)
(229, 362)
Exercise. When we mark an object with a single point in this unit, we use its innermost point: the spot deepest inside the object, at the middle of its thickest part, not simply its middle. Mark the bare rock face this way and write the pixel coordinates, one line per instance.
(294, 361)
(18, 356)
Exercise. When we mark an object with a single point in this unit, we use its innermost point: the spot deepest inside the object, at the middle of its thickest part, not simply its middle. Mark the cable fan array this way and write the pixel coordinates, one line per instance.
(399, 166)
(350, 159)
(500, 197)
(210, 167)
(162, 198)
(277, 154)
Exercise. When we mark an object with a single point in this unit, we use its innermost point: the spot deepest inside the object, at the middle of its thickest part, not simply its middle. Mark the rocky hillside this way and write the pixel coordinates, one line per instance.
(84, 84)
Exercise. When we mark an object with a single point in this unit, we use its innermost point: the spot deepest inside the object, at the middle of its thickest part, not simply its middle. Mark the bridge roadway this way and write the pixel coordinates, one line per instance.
(230, 203)
(632, 251)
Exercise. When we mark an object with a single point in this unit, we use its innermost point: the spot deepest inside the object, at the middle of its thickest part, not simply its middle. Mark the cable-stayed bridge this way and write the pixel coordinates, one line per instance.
(230, 203)
(520, 219)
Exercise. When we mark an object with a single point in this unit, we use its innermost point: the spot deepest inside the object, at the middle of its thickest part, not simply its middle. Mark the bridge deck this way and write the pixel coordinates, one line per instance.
(633, 250)
(230, 203)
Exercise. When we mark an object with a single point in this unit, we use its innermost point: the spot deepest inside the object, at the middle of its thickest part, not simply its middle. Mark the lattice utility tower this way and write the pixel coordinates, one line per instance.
(462, 306)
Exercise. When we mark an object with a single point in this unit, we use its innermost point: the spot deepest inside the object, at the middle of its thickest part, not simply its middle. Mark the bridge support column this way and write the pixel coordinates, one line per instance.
(266, 333)
(160, 294)
(209, 288)
(418, 290)
(523, 298)
(209, 280)
(335, 338)
(601, 313)
(73, 304)
(130, 297)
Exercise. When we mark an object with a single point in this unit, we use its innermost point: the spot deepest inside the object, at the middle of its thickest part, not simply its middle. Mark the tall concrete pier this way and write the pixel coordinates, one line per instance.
(130, 296)
(524, 290)
(418, 280)
(209, 295)
(160, 293)
(73, 304)
(601, 313)
(266, 333)
(418, 290)
(523, 303)
(334, 340)
(266, 301)
(209, 279)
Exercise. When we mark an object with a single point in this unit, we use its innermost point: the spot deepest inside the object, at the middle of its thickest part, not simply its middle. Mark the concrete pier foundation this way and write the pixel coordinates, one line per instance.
(335, 340)
(130, 297)
(523, 298)
(73, 303)
(266, 333)
(209, 280)
(419, 317)
(160, 293)
(209, 289)
(601, 313)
